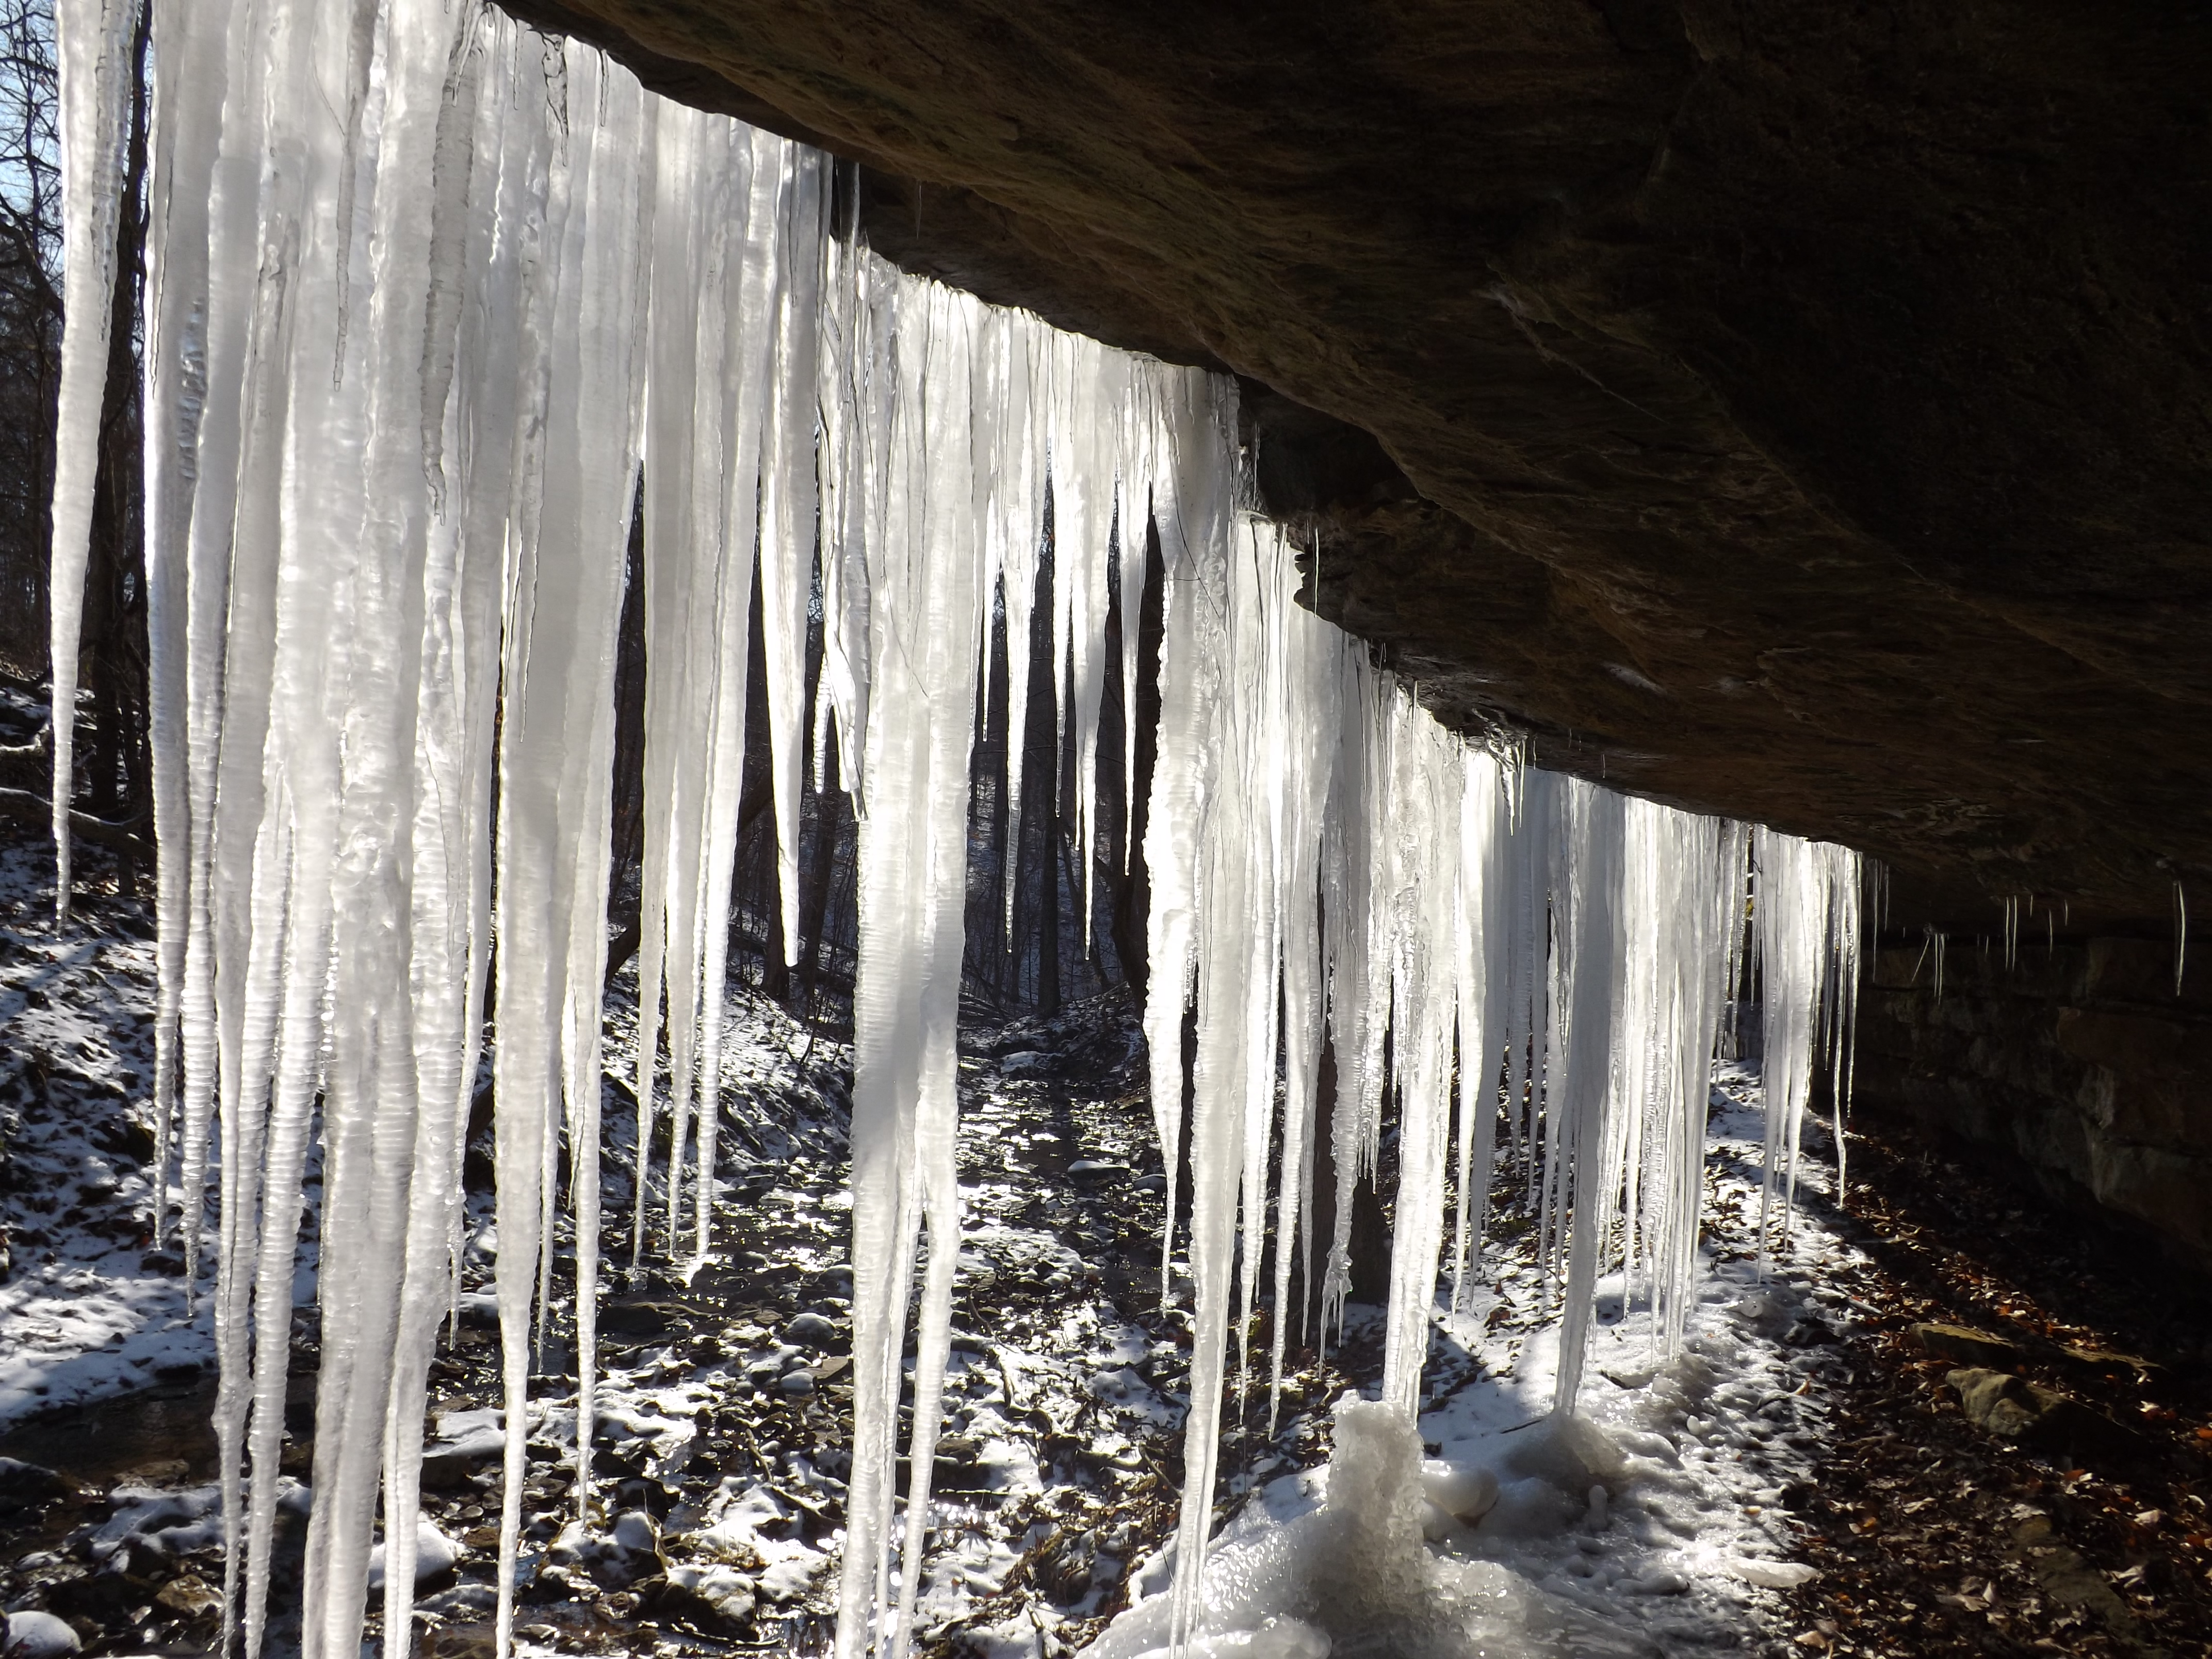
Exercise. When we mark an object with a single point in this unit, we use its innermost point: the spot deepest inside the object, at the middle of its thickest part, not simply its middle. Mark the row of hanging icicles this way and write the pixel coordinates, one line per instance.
(425, 293)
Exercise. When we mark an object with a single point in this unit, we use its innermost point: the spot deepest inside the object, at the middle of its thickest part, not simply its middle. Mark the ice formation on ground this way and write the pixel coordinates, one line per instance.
(1647, 1522)
(426, 290)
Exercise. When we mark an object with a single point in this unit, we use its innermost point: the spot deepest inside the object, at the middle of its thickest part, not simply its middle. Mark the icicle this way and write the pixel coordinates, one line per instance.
(92, 40)
(788, 505)
(1590, 950)
(924, 597)
(557, 747)
(2180, 934)
(1482, 944)
(184, 130)
(1311, 685)
(1426, 801)
(1806, 922)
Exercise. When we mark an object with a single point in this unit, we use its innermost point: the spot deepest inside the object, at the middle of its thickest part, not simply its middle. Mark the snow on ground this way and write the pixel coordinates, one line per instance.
(1652, 1523)
(1655, 1526)
(86, 1311)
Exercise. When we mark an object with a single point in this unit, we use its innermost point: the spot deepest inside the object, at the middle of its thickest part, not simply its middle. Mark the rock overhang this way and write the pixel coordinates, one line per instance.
(1798, 412)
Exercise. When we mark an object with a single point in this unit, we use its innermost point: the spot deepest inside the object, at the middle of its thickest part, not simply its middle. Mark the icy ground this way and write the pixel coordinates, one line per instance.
(1651, 1524)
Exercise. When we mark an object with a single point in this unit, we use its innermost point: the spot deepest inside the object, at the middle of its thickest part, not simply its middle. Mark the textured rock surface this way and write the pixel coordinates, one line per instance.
(2079, 1063)
(1807, 408)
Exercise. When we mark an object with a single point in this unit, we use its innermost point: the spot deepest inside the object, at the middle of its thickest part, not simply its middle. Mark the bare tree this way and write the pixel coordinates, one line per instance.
(30, 323)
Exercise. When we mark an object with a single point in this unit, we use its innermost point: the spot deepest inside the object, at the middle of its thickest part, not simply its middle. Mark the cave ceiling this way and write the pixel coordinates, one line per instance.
(1797, 410)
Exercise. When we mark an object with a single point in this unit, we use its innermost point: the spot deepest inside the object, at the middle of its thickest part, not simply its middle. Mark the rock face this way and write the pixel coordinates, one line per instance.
(2079, 1063)
(1801, 412)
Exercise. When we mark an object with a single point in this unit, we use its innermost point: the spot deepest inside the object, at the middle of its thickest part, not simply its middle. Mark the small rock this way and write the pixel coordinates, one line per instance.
(1095, 1171)
(463, 1600)
(2066, 1575)
(797, 1384)
(479, 1311)
(472, 1640)
(1064, 1562)
(2001, 1404)
(1968, 1347)
(640, 1318)
(810, 1330)
(448, 1468)
(2013, 1409)
(188, 1597)
(168, 1262)
(35, 1635)
(126, 1136)
(28, 1487)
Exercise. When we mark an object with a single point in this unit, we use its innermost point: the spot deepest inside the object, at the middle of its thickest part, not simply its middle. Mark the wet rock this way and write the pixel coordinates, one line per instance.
(464, 1602)
(958, 1465)
(810, 1330)
(1968, 1346)
(642, 1319)
(629, 1553)
(479, 1311)
(796, 1384)
(1096, 1171)
(190, 1598)
(104, 1597)
(449, 1468)
(709, 1600)
(477, 1640)
(25, 1487)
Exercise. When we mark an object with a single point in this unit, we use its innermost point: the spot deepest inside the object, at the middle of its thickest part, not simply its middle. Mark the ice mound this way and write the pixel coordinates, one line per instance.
(1356, 1576)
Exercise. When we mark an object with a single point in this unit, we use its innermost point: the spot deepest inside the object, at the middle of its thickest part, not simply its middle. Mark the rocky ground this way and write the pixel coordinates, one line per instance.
(2021, 1461)
(1967, 1423)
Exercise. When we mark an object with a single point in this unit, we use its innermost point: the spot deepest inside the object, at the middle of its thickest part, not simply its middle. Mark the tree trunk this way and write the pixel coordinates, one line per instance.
(1133, 891)
(814, 904)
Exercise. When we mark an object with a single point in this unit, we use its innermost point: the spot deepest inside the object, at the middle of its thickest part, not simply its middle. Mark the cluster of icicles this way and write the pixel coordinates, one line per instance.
(427, 291)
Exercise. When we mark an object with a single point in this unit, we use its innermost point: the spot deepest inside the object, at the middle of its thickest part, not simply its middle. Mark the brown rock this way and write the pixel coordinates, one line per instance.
(1971, 1347)
(2067, 1576)
(2013, 1409)
(190, 1598)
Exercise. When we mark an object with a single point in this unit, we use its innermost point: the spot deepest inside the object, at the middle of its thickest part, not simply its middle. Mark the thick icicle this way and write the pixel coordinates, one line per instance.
(924, 592)
(788, 505)
(184, 128)
(92, 40)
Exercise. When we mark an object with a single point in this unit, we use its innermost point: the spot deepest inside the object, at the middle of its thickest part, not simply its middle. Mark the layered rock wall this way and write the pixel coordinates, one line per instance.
(2078, 1065)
